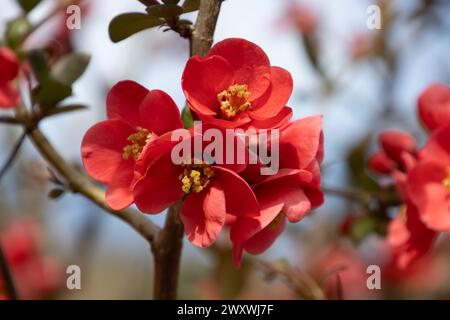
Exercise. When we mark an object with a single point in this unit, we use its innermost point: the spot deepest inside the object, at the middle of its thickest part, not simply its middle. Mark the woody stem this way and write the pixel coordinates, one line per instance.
(168, 246)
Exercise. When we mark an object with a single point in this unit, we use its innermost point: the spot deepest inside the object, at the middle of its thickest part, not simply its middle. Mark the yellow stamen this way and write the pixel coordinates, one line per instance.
(446, 181)
(137, 142)
(403, 215)
(233, 101)
(195, 177)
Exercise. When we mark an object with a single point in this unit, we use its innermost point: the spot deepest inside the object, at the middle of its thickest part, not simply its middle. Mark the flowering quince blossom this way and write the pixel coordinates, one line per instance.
(9, 66)
(235, 86)
(209, 190)
(290, 194)
(110, 149)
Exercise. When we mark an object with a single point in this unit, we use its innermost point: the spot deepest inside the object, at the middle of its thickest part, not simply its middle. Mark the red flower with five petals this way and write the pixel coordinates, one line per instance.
(110, 149)
(235, 86)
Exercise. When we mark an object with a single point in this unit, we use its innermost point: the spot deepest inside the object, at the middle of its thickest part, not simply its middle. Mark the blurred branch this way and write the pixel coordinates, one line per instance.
(168, 246)
(7, 277)
(13, 155)
(9, 120)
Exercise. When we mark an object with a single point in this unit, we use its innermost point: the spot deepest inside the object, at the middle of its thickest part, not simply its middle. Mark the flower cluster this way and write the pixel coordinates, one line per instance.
(421, 176)
(232, 90)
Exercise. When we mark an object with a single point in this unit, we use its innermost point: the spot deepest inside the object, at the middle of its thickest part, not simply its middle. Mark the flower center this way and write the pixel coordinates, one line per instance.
(233, 101)
(136, 143)
(195, 177)
(446, 181)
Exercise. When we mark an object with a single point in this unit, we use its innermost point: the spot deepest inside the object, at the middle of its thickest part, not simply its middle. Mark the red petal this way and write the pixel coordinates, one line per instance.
(159, 113)
(119, 194)
(266, 237)
(244, 205)
(102, 149)
(276, 96)
(9, 65)
(9, 96)
(381, 163)
(300, 142)
(123, 102)
(203, 79)
(250, 64)
(277, 121)
(160, 187)
(437, 148)
(427, 192)
(203, 215)
(394, 143)
(434, 106)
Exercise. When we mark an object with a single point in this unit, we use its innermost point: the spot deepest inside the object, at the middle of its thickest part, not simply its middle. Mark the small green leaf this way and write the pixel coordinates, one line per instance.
(166, 11)
(64, 109)
(16, 31)
(28, 5)
(70, 67)
(38, 60)
(51, 92)
(186, 116)
(127, 24)
(56, 193)
(191, 5)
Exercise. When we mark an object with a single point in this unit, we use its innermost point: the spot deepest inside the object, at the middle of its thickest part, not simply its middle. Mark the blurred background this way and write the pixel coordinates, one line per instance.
(363, 81)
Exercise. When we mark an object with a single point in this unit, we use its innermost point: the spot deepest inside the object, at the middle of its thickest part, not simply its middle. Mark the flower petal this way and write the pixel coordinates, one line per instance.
(9, 96)
(119, 194)
(276, 97)
(203, 79)
(434, 106)
(9, 65)
(159, 113)
(123, 102)
(203, 215)
(102, 149)
(277, 121)
(160, 187)
(249, 62)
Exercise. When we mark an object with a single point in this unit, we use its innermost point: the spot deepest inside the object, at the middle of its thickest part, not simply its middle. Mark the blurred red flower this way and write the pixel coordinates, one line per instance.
(9, 66)
(434, 106)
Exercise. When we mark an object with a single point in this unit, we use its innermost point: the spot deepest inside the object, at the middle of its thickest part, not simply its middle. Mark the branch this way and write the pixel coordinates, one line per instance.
(79, 183)
(167, 250)
(7, 276)
(9, 120)
(13, 155)
(202, 36)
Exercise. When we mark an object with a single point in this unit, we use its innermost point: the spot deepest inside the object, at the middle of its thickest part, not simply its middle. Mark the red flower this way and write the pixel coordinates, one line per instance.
(428, 183)
(434, 106)
(211, 192)
(409, 237)
(9, 66)
(136, 116)
(290, 194)
(236, 86)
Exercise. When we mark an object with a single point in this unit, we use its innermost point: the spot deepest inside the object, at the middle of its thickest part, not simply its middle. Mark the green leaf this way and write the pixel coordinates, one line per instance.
(127, 24)
(38, 60)
(64, 109)
(51, 92)
(56, 193)
(70, 67)
(16, 31)
(28, 5)
(170, 1)
(186, 116)
(191, 5)
(166, 11)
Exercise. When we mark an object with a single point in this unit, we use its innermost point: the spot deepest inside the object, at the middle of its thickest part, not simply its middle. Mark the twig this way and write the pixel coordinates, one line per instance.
(8, 280)
(79, 183)
(12, 155)
(167, 251)
(9, 120)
